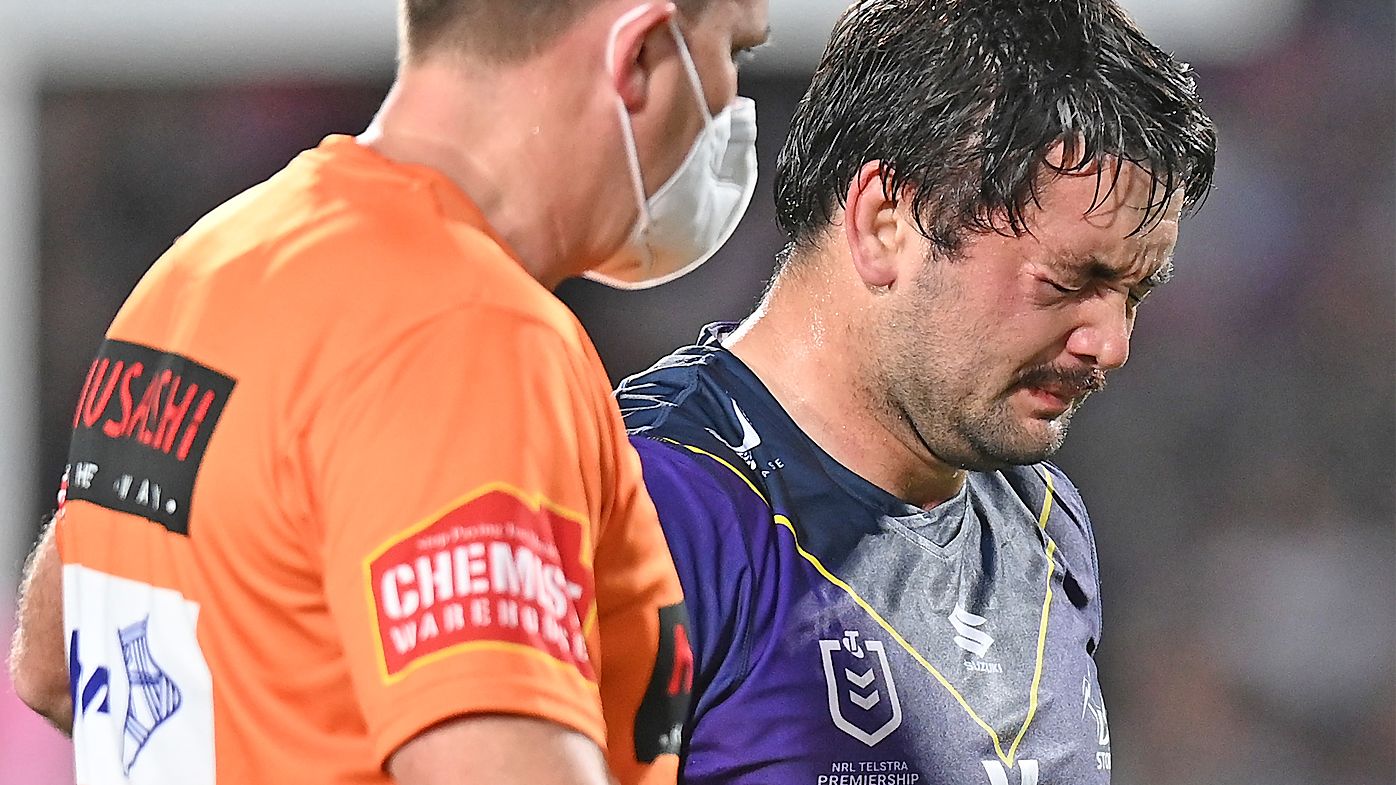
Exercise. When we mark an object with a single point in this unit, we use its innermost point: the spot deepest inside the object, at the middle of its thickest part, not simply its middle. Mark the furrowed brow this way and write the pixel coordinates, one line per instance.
(1092, 267)
(1098, 269)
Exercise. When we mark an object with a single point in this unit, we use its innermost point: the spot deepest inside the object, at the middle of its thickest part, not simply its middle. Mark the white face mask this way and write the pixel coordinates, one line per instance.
(688, 219)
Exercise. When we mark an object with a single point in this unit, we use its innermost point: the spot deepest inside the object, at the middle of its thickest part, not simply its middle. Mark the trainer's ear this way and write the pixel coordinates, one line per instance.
(877, 230)
(634, 36)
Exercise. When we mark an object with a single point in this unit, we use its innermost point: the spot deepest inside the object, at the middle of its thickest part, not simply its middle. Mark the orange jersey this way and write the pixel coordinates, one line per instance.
(343, 470)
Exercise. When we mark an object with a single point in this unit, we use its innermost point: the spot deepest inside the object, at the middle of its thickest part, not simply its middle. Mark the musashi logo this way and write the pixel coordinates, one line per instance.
(499, 568)
(141, 426)
(659, 722)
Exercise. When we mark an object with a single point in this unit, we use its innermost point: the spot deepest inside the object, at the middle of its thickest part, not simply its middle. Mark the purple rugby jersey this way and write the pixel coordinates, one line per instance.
(843, 637)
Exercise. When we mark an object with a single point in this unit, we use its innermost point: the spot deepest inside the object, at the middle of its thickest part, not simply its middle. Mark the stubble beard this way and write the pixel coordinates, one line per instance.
(941, 405)
(940, 400)
(978, 436)
(996, 439)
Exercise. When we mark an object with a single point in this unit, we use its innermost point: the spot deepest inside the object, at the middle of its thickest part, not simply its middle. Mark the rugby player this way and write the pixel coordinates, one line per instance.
(888, 584)
(348, 499)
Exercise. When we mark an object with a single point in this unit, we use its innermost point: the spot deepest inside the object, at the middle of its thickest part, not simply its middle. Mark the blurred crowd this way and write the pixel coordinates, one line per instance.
(1241, 471)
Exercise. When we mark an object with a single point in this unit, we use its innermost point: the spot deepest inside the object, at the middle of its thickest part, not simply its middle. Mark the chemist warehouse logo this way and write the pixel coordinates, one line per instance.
(498, 569)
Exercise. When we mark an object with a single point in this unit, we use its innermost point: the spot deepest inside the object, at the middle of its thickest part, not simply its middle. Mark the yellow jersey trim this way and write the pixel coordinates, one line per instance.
(1007, 757)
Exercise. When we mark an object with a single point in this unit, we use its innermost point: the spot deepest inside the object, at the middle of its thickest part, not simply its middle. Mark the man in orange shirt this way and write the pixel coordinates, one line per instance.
(347, 497)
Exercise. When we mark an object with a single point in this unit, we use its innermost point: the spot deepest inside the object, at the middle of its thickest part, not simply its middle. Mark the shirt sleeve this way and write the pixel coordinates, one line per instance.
(457, 482)
(712, 520)
(1077, 549)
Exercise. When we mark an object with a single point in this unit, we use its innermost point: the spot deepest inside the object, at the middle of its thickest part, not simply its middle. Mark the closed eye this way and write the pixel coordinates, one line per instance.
(1160, 277)
(1061, 289)
(1144, 287)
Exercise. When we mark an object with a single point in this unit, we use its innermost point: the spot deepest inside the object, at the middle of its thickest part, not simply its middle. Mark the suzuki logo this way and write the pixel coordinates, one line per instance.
(862, 678)
(998, 775)
(967, 635)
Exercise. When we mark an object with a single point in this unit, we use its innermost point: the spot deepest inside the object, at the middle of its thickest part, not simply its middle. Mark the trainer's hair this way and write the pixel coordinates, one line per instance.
(506, 31)
(963, 100)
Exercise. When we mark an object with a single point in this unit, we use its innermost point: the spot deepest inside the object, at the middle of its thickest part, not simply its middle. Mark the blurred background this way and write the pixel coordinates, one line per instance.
(1241, 471)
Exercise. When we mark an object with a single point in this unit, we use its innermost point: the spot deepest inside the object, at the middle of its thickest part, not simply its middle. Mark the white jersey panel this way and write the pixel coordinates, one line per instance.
(142, 693)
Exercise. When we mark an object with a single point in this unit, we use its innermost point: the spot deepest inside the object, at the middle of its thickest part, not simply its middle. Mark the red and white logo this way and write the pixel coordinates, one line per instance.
(499, 568)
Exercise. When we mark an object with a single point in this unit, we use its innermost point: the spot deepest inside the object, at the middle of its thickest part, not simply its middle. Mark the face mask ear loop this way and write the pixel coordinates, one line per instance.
(632, 151)
(691, 69)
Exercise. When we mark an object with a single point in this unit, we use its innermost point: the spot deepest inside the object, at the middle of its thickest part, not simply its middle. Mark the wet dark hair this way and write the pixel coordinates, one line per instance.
(962, 100)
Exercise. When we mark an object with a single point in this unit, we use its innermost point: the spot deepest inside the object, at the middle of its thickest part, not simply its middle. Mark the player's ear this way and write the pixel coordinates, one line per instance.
(632, 54)
(874, 227)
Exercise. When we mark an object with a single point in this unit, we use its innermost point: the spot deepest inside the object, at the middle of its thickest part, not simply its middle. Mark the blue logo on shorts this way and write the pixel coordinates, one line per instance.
(154, 697)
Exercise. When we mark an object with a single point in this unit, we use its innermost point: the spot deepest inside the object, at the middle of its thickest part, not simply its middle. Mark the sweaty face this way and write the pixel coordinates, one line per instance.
(988, 355)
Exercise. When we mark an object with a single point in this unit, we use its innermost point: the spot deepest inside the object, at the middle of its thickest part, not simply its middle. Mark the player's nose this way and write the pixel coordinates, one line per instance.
(1102, 337)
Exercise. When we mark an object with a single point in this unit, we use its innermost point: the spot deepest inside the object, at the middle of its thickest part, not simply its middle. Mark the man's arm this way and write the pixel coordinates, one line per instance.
(708, 513)
(494, 483)
(38, 666)
(499, 749)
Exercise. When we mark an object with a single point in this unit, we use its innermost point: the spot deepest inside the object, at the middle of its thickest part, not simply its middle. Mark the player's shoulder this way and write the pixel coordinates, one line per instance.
(685, 397)
(687, 402)
(717, 527)
(667, 393)
(703, 489)
(1064, 492)
(1046, 490)
(1045, 487)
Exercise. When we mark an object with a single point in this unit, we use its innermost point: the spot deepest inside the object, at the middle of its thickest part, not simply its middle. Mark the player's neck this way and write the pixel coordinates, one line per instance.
(798, 344)
(486, 139)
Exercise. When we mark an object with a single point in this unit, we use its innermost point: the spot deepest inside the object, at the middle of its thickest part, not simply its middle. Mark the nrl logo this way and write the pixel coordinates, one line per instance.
(862, 696)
